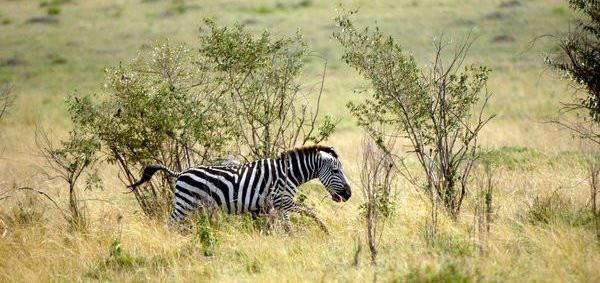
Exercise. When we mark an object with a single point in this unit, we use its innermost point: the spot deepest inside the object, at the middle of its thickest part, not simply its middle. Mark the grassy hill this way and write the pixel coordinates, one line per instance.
(541, 232)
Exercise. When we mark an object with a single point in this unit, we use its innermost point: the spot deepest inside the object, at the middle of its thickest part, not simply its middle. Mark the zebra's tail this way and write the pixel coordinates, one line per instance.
(149, 172)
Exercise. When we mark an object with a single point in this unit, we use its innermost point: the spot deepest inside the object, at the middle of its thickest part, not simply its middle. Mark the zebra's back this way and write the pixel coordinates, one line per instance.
(234, 189)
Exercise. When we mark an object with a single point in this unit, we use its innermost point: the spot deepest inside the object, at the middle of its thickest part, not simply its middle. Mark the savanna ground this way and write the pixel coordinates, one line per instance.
(539, 230)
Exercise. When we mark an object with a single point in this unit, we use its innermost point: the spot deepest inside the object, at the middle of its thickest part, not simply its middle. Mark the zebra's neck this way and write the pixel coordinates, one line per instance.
(299, 167)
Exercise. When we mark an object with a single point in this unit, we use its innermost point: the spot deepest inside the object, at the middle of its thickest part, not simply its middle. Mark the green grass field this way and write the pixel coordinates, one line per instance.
(46, 58)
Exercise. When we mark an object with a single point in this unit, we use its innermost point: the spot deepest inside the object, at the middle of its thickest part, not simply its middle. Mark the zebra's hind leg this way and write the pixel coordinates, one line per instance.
(177, 214)
(182, 208)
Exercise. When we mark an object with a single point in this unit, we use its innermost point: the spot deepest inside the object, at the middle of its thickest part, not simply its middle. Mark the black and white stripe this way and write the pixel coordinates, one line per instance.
(255, 187)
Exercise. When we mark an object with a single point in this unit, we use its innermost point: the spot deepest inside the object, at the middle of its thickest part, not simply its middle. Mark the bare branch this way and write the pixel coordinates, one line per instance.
(62, 211)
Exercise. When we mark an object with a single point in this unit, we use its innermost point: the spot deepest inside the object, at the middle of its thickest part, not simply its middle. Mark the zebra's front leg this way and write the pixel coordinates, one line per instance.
(284, 204)
(287, 224)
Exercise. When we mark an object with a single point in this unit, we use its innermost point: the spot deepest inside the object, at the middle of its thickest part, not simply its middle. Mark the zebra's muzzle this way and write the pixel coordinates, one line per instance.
(335, 197)
(342, 196)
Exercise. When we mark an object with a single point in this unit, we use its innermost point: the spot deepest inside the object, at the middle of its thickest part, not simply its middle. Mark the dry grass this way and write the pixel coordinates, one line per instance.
(41, 248)
(534, 160)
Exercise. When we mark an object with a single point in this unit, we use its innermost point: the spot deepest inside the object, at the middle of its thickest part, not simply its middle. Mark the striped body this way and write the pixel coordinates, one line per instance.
(234, 189)
(257, 186)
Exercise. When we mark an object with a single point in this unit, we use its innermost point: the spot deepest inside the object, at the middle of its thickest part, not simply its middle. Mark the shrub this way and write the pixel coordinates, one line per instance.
(439, 109)
(579, 56)
(578, 60)
(178, 108)
(377, 176)
(206, 235)
(157, 109)
(259, 76)
(68, 161)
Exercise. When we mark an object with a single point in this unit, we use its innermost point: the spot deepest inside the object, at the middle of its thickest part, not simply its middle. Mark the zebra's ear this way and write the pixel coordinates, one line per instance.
(331, 151)
(326, 155)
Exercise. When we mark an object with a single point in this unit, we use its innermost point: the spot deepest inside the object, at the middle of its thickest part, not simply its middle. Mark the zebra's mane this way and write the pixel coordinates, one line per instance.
(308, 149)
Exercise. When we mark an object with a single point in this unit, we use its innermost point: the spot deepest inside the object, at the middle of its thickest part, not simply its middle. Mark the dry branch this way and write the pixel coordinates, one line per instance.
(377, 176)
(46, 196)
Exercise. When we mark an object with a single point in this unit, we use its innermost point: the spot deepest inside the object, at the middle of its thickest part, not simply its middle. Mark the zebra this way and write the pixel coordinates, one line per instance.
(257, 186)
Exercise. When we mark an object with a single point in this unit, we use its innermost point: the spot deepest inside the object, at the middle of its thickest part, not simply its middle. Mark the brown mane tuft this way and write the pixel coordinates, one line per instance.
(310, 148)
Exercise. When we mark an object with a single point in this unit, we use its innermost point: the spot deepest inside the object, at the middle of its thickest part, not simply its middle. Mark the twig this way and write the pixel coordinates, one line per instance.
(47, 196)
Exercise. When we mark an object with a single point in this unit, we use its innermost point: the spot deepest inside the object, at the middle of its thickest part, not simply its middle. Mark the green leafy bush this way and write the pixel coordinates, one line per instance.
(206, 235)
(160, 108)
(260, 78)
(69, 161)
(440, 109)
(181, 108)
(579, 57)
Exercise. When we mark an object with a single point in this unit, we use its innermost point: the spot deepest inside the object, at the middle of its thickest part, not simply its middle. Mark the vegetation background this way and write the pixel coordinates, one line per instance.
(540, 232)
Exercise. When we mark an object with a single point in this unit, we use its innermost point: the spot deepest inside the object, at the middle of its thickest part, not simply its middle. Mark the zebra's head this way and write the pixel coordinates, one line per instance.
(331, 175)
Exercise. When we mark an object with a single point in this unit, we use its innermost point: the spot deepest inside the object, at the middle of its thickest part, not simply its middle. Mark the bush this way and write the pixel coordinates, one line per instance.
(579, 56)
(578, 60)
(69, 161)
(377, 175)
(178, 108)
(439, 108)
(157, 109)
(206, 235)
(260, 78)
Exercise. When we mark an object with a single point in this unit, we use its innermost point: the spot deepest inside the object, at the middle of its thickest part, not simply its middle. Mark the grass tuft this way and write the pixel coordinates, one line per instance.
(556, 208)
(28, 210)
(513, 157)
(448, 272)
(53, 10)
(117, 261)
